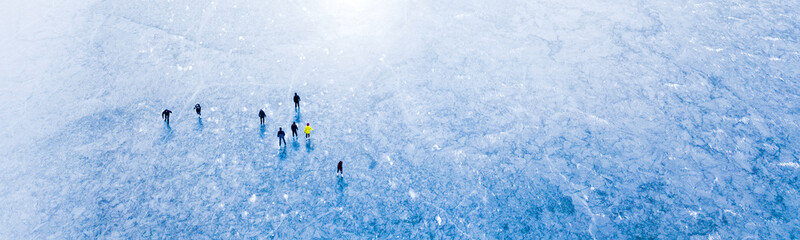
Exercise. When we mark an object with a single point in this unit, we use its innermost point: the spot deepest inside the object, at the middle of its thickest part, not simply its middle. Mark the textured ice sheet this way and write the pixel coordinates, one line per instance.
(454, 119)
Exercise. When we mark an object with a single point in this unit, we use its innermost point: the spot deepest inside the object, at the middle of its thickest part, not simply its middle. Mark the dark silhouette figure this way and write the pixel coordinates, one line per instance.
(262, 115)
(294, 129)
(281, 134)
(197, 109)
(296, 102)
(165, 115)
(339, 168)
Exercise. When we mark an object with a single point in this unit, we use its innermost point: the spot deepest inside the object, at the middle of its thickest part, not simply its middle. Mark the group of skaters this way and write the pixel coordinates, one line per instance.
(282, 134)
(262, 115)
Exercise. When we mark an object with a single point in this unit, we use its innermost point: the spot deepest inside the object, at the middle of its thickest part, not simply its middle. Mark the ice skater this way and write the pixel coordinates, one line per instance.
(339, 169)
(296, 102)
(281, 134)
(308, 130)
(262, 115)
(165, 115)
(197, 109)
(294, 130)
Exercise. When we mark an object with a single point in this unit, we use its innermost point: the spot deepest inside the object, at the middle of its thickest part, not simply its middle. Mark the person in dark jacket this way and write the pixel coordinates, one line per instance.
(165, 115)
(262, 115)
(197, 109)
(294, 129)
(339, 168)
(296, 102)
(281, 134)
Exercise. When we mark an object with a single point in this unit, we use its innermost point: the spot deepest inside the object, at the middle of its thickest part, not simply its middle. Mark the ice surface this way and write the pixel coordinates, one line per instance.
(454, 119)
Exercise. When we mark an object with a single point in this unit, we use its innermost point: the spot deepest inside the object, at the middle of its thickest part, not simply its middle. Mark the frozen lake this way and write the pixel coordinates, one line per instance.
(454, 119)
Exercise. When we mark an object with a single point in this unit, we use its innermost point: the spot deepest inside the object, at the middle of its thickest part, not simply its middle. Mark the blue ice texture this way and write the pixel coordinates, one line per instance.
(569, 119)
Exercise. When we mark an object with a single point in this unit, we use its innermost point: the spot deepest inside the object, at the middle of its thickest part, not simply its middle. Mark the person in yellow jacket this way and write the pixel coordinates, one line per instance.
(308, 130)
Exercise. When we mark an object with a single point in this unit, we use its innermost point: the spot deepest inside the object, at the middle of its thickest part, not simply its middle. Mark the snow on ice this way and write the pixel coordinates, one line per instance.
(454, 119)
